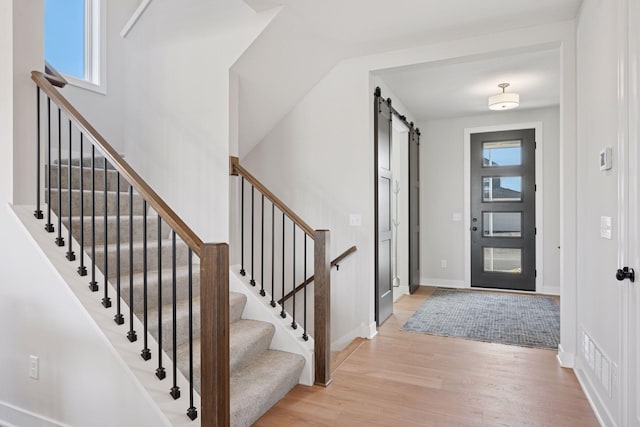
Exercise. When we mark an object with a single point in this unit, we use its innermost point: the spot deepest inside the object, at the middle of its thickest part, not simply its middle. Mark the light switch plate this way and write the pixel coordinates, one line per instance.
(456, 217)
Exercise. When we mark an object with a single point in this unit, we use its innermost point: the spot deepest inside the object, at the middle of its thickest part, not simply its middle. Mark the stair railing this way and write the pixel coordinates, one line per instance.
(335, 263)
(285, 238)
(131, 200)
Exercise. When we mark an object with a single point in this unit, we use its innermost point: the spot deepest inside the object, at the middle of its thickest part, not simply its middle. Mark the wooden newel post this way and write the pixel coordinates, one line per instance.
(214, 334)
(322, 307)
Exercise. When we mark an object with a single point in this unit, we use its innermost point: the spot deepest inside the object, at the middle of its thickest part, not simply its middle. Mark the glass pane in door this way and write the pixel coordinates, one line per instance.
(501, 188)
(501, 153)
(503, 260)
(502, 224)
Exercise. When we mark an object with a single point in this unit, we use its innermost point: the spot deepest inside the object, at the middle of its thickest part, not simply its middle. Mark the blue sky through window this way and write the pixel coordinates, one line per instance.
(64, 39)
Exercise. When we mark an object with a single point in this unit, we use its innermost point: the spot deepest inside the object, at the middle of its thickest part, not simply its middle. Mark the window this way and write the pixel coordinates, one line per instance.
(74, 41)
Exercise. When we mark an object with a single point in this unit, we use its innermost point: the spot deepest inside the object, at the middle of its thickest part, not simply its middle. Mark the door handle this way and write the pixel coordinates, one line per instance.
(474, 228)
(626, 273)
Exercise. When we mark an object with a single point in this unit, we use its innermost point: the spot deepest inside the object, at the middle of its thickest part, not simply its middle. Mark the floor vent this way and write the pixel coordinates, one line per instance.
(598, 362)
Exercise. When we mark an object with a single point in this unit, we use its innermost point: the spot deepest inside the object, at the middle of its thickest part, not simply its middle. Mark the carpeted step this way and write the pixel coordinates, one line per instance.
(237, 301)
(99, 200)
(182, 286)
(258, 386)
(86, 160)
(112, 222)
(248, 339)
(251, 337)
(182, 256)
(182, 323)
(112, 178)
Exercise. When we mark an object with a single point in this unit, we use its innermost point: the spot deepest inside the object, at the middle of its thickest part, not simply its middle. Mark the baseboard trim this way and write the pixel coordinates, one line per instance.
(565, 359)
(598, 408)
(364, 331)
(444, 283)
(13, 416)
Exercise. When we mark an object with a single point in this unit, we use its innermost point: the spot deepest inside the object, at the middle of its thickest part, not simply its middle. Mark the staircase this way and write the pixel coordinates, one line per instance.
(259, 377)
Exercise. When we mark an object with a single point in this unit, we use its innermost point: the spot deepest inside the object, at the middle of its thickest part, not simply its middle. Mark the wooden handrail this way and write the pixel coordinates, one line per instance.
(152, 198)
(54, 77)
(236, 169)
(334, 263)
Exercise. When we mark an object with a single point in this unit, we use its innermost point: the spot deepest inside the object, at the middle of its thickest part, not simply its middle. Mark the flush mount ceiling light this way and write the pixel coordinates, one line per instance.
(504, 101)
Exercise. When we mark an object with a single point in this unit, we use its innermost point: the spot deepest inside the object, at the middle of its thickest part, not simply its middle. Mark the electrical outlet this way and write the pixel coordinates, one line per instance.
(355, 220)
(443, 263)
(456, 217)
(34, 369)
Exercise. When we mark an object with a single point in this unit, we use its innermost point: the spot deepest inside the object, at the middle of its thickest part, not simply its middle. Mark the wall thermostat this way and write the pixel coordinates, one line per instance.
(605, 159)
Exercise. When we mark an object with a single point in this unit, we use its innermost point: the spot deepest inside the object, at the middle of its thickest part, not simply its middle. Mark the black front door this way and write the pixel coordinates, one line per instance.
(503, 247)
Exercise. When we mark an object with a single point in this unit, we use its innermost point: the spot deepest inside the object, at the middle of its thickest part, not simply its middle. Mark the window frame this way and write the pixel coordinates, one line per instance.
(95, 45)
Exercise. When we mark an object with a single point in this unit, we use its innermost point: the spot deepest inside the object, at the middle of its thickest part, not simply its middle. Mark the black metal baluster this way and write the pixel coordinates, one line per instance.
(160, 372)
(60, 239)
(294, 325)
(93, 285)
(175, 390)
(106, 301)
(192, 412)
(262, 292)
(252, 282)
(304, 334)
(242, 272)
(273, 254)
(49, 226)
(38, 212)
(283, 313)
(71, 256)
(82, 270)
(118, 318)
(131, 335)
(146, 352)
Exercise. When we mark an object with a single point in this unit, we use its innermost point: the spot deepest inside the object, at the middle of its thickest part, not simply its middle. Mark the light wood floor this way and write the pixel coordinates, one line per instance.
(409, 379)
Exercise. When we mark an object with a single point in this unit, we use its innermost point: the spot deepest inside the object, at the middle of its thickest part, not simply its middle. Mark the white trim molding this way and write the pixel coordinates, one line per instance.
(540, 288)
(134, 18)
(11, 415)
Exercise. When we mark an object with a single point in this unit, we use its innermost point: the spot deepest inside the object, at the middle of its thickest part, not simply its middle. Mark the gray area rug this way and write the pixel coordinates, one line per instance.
(525, 320)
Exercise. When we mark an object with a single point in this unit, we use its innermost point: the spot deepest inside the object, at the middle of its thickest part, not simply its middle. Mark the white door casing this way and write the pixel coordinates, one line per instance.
(630, 119)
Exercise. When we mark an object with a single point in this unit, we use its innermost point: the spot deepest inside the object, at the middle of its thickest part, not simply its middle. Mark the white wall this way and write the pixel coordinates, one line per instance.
(167, 102)
(325, 146)
(441, 161)
(598, 291)
(81, 382)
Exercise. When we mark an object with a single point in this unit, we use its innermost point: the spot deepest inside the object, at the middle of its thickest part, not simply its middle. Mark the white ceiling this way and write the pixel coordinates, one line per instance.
(308, 37)
(376, 25)
(454, 89)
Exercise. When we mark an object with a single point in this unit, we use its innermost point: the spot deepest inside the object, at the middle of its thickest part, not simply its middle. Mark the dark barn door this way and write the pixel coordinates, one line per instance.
(414, 209)
(383, 223)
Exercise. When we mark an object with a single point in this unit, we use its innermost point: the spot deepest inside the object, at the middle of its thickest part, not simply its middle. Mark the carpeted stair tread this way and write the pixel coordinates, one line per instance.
(182, 318)
(112, 198)
(237, 302)
(112, 177)
(247, 340)
(258, 386)
(182, 255)
(182, 286)
(112, 226)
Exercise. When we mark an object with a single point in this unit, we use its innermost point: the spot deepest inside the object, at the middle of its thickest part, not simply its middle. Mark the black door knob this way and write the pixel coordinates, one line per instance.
(474, 228)
(626, 273)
